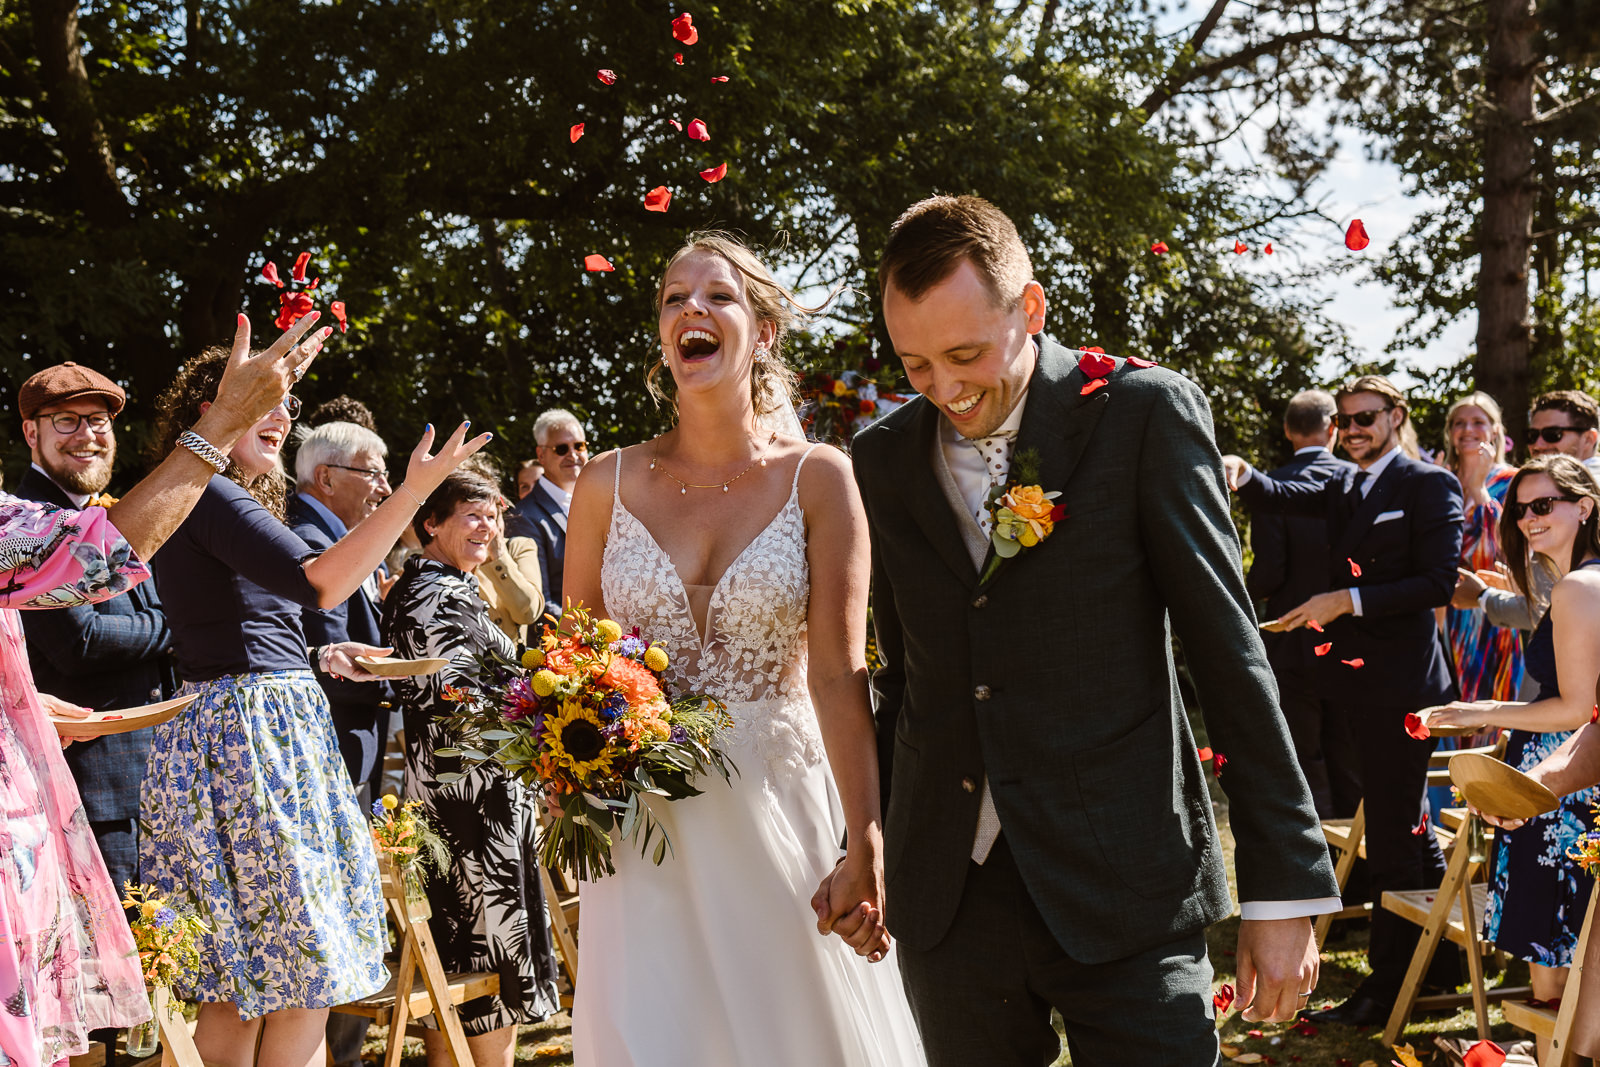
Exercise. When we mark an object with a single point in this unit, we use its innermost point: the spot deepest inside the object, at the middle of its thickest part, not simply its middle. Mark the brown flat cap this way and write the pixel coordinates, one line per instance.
(67, 381)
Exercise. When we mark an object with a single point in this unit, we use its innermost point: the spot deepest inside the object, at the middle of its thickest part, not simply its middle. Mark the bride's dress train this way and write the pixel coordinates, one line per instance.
(713, 958)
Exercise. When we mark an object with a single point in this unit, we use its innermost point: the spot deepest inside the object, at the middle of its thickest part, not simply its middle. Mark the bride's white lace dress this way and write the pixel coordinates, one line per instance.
(713, 958)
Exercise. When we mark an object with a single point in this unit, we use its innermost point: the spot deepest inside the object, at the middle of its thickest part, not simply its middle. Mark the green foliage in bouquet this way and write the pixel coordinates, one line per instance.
(165, 933)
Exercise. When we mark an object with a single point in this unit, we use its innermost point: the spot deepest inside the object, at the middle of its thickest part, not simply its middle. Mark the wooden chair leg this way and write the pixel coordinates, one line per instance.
(1480, 996)
(561, 929)
(438, 985)
(1343, 866)
(1567, 1015)
(177, 1043)
(1455, 878)
(404, 975)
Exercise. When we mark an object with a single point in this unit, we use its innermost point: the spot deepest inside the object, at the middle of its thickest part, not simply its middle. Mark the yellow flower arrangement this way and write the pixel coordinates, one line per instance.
(575, 741)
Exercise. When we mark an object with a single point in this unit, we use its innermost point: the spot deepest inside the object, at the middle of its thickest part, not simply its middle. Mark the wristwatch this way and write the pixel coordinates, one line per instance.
(204, 449)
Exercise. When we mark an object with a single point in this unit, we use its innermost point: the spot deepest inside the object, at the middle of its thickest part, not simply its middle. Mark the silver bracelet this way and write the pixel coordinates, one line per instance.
(204, 449)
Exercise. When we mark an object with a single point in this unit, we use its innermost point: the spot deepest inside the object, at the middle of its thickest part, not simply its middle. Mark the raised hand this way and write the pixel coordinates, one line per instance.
(253, 385)
(424, 472)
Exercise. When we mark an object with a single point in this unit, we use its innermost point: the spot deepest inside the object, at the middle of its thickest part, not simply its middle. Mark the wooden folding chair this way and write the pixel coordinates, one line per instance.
(1450, 912)
(1557, 1024)
(432, 993)
(563, 904)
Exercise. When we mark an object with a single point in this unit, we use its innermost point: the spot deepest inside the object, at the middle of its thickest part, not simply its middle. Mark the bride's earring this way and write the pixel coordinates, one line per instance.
(762, 353)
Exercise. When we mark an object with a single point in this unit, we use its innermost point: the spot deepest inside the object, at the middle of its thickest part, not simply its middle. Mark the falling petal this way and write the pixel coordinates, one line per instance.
(683, 29)
(1416, 727)
(719, 78)
(1354, 664)
(1268, 249)
(1217, 764)
(697, 130)
(1159, 248)
(1355, 568)
(1222, 999)
(597, 262)
(298, 272)
(1484, 1054)
(1421, 827)
(1323, 650)
(1313, 624)
(314, 283)
(1239, 247)
(1135, 361)
(609, 77)
(1203, 753)
(677, 57)
(716, 173)
(658, 198)
(576, 132)
(676, 125)
(270, 273)
(337, 307)
(292, 307)
(1355, 238)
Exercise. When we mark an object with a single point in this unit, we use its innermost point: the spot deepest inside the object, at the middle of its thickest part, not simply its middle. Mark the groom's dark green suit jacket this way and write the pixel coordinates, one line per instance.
(1055, 678)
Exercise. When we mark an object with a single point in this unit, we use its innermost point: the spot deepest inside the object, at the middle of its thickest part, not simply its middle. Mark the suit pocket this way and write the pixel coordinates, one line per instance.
(1131, 791)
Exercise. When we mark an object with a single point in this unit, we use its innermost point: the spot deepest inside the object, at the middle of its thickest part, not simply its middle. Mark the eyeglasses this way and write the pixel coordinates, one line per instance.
(291, 406)
(1360, 418)
(1549, 434)
(67, 422)
(1540, 507)
(369, 473)
(561, 449)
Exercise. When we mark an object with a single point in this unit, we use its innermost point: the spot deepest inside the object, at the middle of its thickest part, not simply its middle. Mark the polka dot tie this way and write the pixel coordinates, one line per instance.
(996, 452)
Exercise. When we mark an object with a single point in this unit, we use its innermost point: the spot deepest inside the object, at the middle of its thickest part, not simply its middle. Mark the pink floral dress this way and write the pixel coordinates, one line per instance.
(67, 959)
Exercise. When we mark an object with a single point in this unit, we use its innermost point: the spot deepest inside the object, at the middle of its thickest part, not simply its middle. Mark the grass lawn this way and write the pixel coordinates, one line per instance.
(1343, 965)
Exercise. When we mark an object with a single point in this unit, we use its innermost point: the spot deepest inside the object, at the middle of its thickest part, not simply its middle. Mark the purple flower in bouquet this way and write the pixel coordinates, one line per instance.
(521, 701)
(630, 646)
(679, 735)
(166, 917)
(613, 707)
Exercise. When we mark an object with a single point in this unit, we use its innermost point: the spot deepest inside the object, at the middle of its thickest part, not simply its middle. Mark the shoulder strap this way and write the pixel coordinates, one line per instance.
(804, 456)
(617, 487)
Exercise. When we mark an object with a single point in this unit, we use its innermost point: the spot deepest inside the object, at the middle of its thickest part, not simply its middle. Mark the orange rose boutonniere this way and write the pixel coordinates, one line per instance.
(1020, 515)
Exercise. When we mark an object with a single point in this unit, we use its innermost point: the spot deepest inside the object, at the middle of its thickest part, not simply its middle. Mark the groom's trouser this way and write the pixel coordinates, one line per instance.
(984, 993)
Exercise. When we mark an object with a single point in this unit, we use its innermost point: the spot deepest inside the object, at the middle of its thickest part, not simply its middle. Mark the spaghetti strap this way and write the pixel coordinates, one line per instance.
(616, 489)
(804, 456)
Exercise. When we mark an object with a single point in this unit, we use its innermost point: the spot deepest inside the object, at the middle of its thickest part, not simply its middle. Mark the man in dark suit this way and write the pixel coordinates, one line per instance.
(1049, 839)
(1394, 530)
(1291, 566)
(113, 654)
(542, 514)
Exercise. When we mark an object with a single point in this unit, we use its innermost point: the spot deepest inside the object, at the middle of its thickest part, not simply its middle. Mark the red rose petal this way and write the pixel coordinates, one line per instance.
(719, 78)
(1421, 827)
(683, 29)
(1058, 513)
(1222, 999)
(1313, 624)
(1253, 1033)
(298, 272)
(1159, 248)
(1216, 764)
(1594, 716)
(314, 283)
(270, 273)
(1096, 364)
(576, 132)
(697, 130)
(597, 262)
(292, 307)
(1304, 1029)
(1323, 650)
(716, 173)
(677, 57)
(1355, 568)
(676, 125)
(1203, 753)
(1355, 238)
(1144, 363)
(1354, 664)
(1484, 1054)
(609, 77)
(1268, 249)
(1239, 247)
(1093, 348)
(109, 718)
(337, 307)
(1091, 385)
(1416, 727)
(658, 198)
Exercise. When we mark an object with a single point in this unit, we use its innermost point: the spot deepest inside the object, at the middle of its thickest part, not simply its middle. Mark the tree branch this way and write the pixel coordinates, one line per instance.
(69, 104)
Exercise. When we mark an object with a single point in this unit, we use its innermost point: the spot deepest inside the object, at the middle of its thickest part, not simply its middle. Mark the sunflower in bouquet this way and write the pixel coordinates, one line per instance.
(588, 719)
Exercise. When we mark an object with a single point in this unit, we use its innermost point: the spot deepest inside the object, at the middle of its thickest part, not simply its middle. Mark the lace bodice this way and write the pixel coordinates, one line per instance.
(753, 654)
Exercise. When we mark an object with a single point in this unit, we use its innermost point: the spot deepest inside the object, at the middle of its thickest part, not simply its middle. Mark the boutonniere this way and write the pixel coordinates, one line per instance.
(1021, 514)
(1097, 367)
(102, 500)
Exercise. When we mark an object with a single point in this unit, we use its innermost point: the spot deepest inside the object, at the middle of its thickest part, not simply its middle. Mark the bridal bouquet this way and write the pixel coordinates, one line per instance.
(167, 935)
(587, 719)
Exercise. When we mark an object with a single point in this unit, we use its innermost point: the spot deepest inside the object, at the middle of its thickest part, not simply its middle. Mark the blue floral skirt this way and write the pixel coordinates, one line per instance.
(1537, 896)
(249, 814)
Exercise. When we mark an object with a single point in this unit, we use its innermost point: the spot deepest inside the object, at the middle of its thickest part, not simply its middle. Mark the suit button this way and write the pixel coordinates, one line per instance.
(982, 601)
(969, 785)
(981, 693)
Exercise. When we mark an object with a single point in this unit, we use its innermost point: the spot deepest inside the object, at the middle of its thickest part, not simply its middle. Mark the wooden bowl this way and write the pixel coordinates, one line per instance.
(1274, 626)
(401, 668)
(121, 720)
(1499, 789)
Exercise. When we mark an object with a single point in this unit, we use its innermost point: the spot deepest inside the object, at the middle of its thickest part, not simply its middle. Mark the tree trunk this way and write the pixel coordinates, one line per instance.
(69, 103)
(1506, 236)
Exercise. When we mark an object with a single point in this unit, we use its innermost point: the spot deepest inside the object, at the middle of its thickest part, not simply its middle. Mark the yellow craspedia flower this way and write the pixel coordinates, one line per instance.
(609, 630)
(544, 683)
(1027, 537)
(391, 801)
(655, 657)
(533, 658)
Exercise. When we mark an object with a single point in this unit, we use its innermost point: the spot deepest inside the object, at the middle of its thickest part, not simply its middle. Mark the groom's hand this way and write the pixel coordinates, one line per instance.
(849, 902)
(1278, 968)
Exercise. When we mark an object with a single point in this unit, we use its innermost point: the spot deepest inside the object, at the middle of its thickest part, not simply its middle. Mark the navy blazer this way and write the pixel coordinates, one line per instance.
(1408, 568)
(114, 654)
(1291, 561)
(354, 620)
(540, 510)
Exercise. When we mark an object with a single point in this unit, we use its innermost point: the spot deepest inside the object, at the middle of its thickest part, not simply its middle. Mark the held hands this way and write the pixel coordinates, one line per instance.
(340, 660)
(1278, 968)
(63, 709)
(253, 385)
(849, 902)
(1460, 713)
(1322, 609)
(1233, 468)
(424, 472)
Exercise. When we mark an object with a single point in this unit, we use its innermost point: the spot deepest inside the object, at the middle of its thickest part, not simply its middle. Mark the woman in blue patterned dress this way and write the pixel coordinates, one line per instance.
(248, 812)
(1537, 895)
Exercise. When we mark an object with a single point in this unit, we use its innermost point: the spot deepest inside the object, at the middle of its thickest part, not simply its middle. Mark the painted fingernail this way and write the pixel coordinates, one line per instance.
(487, 437)
(466, 424)
(428, 428)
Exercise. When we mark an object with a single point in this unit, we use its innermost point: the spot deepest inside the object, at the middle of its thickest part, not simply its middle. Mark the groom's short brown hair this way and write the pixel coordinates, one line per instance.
(931, 238)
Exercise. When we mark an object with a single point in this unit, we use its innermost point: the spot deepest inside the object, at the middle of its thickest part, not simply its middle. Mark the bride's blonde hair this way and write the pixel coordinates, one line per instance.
(772, 381)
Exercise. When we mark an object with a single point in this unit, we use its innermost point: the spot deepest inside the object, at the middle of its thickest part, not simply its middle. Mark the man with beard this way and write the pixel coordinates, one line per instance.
(103, 656)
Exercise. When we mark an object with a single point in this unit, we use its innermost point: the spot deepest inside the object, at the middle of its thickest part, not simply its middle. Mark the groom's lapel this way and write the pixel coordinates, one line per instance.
(925, 497)
(1059, 420)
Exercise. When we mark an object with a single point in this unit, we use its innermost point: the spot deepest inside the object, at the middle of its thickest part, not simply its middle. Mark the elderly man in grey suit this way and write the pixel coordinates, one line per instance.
(1049, 839)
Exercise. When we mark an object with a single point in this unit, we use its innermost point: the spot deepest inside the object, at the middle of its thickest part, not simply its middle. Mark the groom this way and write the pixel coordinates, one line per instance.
(1048, 838)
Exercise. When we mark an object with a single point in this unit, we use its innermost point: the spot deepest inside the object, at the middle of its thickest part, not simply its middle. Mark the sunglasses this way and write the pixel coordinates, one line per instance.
(1549, 435)
(561, 449)
(1540, 507)
(1360, 418)
(291, 406)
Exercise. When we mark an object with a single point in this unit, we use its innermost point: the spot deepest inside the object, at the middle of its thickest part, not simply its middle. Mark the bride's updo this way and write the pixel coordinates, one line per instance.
(772, 382)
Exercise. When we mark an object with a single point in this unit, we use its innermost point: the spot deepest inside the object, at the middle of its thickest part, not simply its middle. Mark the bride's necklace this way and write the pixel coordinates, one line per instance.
(684, 487)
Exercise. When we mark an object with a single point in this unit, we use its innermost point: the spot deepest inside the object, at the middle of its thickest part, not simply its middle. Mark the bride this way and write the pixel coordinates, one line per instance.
(707, 537)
